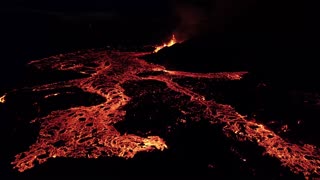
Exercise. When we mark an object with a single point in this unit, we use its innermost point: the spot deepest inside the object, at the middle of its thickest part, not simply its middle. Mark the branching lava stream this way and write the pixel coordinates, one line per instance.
(70, 133)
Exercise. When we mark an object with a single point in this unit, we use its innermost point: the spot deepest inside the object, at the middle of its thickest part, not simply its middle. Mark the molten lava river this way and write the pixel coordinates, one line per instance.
(121, 79)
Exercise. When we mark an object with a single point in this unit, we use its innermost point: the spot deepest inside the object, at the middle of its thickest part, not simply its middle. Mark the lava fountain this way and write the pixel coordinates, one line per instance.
(172, 41)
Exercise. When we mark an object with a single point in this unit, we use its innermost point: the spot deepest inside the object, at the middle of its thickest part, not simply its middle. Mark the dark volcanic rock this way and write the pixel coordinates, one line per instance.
(151, 110)
(284, 59)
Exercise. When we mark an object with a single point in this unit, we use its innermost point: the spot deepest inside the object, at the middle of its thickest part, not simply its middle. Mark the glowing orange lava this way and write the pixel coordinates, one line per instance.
(70, 133)
(2, 99)
(168, 44)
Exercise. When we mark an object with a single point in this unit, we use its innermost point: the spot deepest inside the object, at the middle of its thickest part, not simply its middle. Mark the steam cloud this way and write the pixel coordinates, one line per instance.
(202, 16)
(192, 20)
(196, 17)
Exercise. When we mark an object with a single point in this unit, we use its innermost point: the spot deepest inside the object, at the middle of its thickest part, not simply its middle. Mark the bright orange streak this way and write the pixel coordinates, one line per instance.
(168, 44)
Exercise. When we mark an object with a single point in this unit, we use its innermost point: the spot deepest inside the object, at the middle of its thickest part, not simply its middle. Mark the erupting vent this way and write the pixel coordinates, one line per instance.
(172, 42)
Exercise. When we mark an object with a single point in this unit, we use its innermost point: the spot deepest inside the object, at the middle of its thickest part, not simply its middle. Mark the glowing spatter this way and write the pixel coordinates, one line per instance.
(88, 132)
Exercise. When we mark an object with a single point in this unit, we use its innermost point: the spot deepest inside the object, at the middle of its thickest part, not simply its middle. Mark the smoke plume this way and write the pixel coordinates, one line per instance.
(203, 16)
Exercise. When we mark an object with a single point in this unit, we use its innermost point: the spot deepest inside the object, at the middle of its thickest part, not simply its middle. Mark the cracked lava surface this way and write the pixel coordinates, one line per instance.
(89, 131)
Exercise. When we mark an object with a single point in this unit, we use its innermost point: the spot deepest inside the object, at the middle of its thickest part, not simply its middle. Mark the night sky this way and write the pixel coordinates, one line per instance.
(90, 18)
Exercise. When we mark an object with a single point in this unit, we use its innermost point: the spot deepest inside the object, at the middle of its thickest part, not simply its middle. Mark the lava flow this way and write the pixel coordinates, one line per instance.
(172, 42)
(89, 132)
